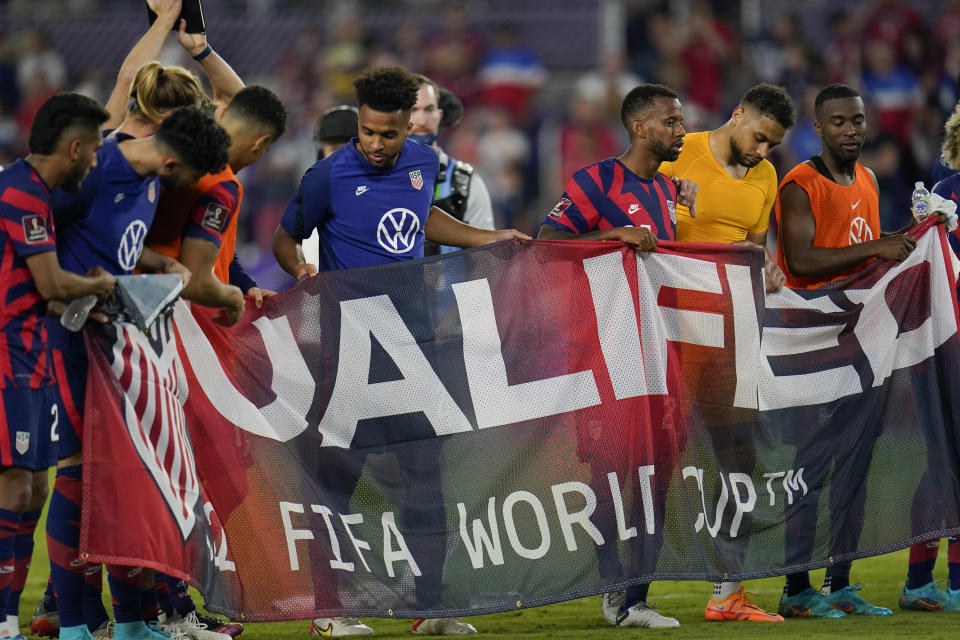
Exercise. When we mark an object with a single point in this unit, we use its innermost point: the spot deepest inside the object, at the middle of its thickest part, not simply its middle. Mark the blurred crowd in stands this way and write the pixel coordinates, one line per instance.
(529, 122)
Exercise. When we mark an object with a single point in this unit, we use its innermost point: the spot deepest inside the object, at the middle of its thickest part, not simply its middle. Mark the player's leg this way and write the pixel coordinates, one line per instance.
(920, 592)
(423, 516)
(848, 497)
(815, 457)
(23, 546)
(24, 455)
(337, 471)
(68, 571)
(735, 453)
(661, 448)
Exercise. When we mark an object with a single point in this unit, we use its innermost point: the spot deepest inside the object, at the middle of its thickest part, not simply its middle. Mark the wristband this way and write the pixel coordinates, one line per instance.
(203, 54)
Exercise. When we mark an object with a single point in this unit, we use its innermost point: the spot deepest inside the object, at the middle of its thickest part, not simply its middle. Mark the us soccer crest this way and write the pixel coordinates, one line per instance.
(416, 179)
(672, 208)
(23, 442)
(152, 192)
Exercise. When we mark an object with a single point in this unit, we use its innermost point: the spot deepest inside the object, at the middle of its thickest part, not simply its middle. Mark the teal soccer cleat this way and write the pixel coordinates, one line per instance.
(848, 601)
(809, 603)
(929, 597)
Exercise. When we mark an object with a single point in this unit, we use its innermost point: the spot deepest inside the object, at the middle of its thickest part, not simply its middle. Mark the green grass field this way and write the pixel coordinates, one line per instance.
(882, 578)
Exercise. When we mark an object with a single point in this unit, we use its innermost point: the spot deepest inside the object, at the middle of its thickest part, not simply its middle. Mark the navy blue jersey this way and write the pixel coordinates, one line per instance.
(607, 195)
(26, 229)
(364, 215)
(106, 222)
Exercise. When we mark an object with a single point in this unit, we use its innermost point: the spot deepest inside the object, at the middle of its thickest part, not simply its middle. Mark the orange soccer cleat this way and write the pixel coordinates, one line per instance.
(738, 607)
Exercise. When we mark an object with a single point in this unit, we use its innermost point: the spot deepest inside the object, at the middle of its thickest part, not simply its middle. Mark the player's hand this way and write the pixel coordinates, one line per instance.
(894, 247)
(773, 276)
(165, 8)
(193, 43)
(506, 234)
(103, 282)
(233, 308)
(172, 266)
(640, 238)
(259, 294)
(303, 271)
(687, 191)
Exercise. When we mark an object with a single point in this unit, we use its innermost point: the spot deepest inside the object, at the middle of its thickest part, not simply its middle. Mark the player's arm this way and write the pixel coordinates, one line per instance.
(798, 228)
(54, 283)
(640, 238)
(773, 277)
(224, 80)
(289, 256)
(146, 50)
(153, 261)
(204, 288)
(443, 228)
(308, 208)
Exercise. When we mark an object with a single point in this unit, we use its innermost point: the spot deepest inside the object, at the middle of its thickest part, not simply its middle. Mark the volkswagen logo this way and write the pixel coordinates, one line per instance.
(397, 230)
(859, 231)
(131, 245)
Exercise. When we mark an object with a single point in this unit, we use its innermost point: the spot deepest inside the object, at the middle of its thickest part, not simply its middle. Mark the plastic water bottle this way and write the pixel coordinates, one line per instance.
(77, 312)
(919, 202)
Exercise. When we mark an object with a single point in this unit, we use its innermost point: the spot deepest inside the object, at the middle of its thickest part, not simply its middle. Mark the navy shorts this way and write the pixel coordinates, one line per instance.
(29, 428)
(70, 367)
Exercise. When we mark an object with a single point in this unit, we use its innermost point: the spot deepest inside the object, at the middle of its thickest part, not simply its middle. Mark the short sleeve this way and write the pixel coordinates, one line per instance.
(212, 212)
(27, 221)
(576, 212)
(310, 205)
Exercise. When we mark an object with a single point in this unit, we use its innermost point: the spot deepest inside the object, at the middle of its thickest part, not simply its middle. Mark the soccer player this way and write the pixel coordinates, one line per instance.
(63, 143)
(920, 592)
(345, 197)
(198, 224)
(460, 191)
(107, 221)
(829, 223)
(628, 199)
(737, 189)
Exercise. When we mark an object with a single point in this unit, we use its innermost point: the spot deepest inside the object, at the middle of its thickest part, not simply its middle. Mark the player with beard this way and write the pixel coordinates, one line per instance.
(106, 222)
(738, 187)
(627, 199)
(829, 220)
(63, 142)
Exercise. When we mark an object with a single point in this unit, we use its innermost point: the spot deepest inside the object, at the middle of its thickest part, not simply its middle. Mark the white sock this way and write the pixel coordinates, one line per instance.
(723, 590)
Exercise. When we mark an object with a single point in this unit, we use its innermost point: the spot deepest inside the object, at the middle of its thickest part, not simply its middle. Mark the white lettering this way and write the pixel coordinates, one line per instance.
(358, 544)
(481, 538)
(622, 531)
(232, 404)
(291, 534)
(540, 516)
(742, 505)
(337, 561)
(391, 555)
(495, 401)
(616, 324)
(354, 399)
(646, 493)
(581, 517)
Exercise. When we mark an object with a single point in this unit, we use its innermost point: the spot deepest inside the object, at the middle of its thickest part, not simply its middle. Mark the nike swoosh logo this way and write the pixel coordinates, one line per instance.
(855, 205)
